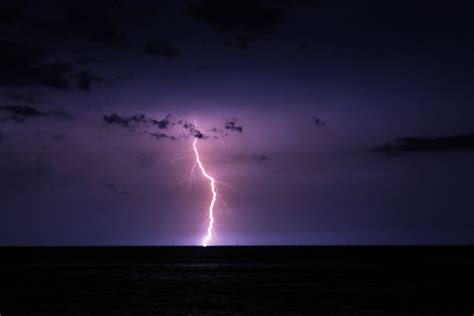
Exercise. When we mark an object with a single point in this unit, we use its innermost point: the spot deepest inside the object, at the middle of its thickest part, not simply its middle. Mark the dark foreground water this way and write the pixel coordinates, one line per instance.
(237, 281)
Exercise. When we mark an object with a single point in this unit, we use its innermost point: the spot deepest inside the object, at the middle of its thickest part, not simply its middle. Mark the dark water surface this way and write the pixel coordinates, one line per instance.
(237, 281)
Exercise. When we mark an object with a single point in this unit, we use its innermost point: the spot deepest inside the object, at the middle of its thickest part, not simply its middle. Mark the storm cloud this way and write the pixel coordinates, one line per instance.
(459, 142)
(27, 96)
(231, 125)
(317, 121)
(21, 113)
(137, 120)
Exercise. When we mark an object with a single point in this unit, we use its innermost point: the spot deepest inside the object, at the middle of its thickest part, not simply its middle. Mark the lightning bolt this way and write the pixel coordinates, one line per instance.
(210, 226)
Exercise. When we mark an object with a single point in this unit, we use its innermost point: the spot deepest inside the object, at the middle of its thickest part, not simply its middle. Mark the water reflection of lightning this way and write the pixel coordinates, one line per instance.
(210, 226)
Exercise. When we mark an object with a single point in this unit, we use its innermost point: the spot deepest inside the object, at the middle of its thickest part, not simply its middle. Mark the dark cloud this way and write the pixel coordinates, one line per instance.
(113, 188)
(164, 123)
(60, 113)
(191, 130)
(162, 136)
(231, 125)
(20, 113)
(84, 79)
(162, 49)
(136, 120)
(198, 134)
(28, 96)
(317, 121)
(22, 65)
(218, 132)
(247, 16)
(460, 142)
(260, 158)
(116, 119)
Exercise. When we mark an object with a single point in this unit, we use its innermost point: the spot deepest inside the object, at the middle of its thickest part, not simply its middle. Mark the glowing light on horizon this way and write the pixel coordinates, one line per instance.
(210, 226)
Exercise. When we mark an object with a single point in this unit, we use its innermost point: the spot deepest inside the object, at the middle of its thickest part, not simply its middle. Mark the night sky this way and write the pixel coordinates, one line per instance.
(332, 122)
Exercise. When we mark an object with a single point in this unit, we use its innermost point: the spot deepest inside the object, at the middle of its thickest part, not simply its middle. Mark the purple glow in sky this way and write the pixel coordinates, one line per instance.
(332, 123)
